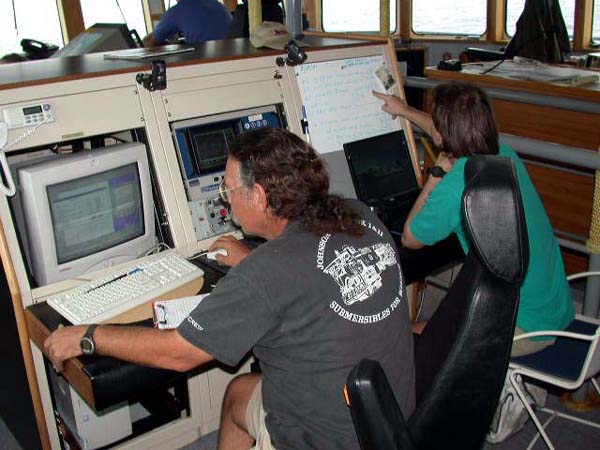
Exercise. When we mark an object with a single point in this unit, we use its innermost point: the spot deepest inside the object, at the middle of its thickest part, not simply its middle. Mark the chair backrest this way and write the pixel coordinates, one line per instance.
(482, 303)
(470, 358)
(271, 11)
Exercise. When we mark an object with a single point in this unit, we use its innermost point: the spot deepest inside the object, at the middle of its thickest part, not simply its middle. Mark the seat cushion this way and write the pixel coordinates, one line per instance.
(565, 358)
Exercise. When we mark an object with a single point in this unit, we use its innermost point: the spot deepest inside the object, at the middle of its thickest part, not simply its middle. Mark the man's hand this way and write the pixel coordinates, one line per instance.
(236, 250)
(393, 105)
(63, 344)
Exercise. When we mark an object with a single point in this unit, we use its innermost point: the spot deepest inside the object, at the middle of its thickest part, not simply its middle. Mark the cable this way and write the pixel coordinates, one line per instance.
(493, 67)
(157, 248)
(15, 17)
(198, 255)
(121, 11)
(11, 190)
(25, 135)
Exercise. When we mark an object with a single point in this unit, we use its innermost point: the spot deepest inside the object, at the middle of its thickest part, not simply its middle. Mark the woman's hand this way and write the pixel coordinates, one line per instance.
(445, 162)
(398, 107)
(393, 105)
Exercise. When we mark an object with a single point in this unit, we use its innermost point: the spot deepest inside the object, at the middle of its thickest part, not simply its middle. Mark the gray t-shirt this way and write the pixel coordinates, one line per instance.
(311, 307)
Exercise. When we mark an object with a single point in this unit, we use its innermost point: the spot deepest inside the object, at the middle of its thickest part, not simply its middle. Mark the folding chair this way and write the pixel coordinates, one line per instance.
(571, 361)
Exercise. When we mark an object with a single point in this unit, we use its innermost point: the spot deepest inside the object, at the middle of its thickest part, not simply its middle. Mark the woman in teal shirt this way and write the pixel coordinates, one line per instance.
(462, 122)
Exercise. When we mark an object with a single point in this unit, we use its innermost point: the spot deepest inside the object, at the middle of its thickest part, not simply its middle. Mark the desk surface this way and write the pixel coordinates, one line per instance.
(590, 92)
(100, 380)
(78, 67)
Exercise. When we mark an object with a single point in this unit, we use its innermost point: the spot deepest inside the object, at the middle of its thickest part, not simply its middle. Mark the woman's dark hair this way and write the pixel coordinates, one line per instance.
(294, 179)
(463, 116)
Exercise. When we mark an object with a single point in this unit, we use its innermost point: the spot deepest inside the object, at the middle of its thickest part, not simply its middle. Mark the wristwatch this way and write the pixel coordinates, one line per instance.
(87, 344)
(437, 171)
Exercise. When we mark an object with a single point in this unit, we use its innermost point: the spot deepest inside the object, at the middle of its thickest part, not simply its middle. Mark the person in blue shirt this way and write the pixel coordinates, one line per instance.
(196, 20)
(463, 124)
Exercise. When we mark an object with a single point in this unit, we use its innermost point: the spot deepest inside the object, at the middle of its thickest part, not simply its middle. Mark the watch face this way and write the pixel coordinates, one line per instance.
(437, 171)
(87, 346)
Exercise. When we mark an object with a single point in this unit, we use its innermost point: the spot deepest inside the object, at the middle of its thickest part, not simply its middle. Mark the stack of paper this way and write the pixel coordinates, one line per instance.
(169, 314)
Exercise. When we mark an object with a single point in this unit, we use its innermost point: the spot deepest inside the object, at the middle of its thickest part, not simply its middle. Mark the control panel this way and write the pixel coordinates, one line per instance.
(30, 115)
(202, 146)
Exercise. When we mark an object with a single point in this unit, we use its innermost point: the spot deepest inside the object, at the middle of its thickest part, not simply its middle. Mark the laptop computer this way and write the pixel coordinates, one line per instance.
(383, 176)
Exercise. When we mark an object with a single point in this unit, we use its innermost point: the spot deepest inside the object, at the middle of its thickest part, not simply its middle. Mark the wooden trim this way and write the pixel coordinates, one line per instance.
(358, 36)
(71, 18)
(384, 18)
(582, 33)
(404, 26)
(495, 21)
(410, 137)
(254, 14)
(15, 293)
(312, 10)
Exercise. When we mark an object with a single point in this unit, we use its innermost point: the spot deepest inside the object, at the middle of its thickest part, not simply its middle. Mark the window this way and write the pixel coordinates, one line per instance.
(514, 8)
(363, 15)
(455, 17)
(113, 11)
(596, 22)
(44, 25)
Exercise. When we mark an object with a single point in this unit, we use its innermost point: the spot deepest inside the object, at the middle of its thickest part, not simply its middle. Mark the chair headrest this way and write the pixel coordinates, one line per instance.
(494, 216)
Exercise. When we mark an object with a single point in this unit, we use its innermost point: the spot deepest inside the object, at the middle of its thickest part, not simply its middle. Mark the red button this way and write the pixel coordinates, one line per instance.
(224, 212)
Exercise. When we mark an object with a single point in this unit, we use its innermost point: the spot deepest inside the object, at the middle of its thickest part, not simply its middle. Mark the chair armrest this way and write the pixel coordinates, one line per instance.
(556, 333)
(576, 276)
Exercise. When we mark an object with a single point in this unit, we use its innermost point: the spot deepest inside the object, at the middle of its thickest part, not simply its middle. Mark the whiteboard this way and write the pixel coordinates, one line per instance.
(338, 104)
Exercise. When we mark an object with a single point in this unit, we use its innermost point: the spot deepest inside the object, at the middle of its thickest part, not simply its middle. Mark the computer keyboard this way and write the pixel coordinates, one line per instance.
(107, 297)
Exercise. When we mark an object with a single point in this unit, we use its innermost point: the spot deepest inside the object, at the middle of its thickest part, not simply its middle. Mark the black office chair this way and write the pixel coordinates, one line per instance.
(470, 359)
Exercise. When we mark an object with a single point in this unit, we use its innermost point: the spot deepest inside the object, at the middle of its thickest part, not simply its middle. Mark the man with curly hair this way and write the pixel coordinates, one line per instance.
(324, 291)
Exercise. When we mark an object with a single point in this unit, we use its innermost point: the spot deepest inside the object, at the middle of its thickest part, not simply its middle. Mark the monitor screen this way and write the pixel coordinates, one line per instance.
(211, 148)
(91, 214)
(381, 167)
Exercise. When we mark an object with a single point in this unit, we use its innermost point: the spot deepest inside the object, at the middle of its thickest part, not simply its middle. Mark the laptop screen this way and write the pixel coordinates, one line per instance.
(381, 168)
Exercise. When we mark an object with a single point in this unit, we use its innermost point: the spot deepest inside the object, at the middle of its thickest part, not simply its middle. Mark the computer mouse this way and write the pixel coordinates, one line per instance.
(213, 255)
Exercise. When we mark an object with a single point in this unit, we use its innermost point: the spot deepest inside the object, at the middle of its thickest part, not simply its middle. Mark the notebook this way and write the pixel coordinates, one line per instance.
(169, 314)
(383, 176)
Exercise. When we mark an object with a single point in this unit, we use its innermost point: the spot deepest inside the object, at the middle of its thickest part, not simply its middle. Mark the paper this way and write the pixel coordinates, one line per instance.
(148, 52)
(168, 314)
(531, 70)
(385, 79)
(338, 102)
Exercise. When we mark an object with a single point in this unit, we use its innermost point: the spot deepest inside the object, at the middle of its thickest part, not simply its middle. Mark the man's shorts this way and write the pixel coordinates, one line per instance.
(255, 420)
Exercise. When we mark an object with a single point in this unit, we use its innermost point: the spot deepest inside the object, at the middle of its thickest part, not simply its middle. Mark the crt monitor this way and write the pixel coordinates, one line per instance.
(87, 211)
